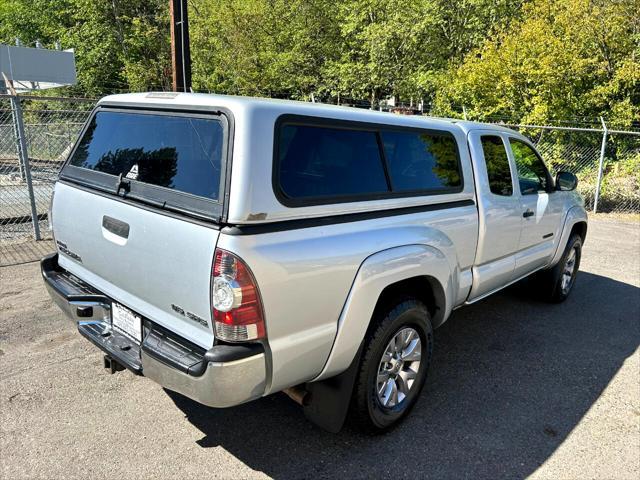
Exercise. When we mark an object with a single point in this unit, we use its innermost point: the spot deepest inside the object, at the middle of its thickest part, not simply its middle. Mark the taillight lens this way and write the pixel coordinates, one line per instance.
(235, 300)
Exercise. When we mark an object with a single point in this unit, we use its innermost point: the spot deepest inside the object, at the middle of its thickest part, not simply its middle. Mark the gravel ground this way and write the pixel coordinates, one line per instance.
(517, 388)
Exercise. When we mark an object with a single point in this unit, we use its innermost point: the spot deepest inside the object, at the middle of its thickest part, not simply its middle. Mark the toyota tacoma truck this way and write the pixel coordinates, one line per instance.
(229, 248)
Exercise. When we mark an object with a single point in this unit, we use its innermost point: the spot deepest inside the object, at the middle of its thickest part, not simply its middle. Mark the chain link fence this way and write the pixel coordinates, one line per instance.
(37, 134)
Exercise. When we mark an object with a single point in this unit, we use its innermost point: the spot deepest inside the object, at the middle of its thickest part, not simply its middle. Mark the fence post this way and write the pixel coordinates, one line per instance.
(23, 157)
(16, 136)
(601, 165)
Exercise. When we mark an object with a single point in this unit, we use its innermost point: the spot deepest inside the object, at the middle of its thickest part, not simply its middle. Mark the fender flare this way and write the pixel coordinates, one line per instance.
(377, 272)
(574, 215)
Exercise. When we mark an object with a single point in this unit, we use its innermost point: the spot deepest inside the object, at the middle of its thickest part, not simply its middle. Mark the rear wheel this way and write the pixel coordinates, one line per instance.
(394, 365)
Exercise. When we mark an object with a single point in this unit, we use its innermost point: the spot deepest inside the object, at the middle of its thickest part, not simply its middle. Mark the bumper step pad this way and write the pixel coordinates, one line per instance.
(117, 345)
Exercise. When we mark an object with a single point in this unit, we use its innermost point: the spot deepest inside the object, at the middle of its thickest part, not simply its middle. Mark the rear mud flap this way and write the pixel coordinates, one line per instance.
(330, 398)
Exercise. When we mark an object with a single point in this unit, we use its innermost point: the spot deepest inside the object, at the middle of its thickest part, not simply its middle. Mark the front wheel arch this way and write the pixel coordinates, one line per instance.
(580, 229)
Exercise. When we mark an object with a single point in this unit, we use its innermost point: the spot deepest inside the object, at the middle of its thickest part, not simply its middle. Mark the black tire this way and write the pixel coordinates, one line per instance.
(367, 411)
(552, 280)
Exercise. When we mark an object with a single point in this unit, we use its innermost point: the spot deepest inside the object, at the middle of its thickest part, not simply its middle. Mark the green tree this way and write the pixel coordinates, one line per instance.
(531, 60)
(380, 45)
(261, 47)
(564, 58)
(365, 49)
(118, 44)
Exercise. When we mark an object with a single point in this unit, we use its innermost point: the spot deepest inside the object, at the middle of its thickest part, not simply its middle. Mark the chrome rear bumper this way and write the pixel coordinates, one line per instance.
(223, 376)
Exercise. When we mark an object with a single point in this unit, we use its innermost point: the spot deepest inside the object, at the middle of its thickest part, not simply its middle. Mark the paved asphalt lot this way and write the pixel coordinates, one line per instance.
(517, 388)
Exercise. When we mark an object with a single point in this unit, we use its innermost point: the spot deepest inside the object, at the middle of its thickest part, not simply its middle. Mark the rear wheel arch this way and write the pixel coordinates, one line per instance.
(424, 288)
(417, 269)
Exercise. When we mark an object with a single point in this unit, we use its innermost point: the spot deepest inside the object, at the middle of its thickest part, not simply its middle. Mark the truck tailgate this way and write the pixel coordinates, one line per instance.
(157, 265)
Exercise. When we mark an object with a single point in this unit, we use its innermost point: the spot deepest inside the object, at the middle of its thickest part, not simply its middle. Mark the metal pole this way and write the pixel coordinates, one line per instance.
(11, 92)
(601, 166)
(24, 159)
(16, 135)
(180, 49)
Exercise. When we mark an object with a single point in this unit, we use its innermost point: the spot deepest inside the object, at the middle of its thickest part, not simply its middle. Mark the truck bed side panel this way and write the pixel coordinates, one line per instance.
(305, 275)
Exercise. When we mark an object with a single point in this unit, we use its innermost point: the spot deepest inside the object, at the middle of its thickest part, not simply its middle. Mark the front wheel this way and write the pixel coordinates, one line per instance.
(562, 277)
(394, 365)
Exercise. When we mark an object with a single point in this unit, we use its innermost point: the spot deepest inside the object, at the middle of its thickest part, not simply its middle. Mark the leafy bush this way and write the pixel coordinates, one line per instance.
(620, 187)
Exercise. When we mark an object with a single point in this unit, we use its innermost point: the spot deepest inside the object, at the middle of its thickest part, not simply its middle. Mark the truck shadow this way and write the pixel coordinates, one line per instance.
(511, 378)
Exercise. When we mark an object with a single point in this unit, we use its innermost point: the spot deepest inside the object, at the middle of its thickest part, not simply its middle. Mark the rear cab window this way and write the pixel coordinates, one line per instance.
(497, 163)
(320, 161)
(170, 160)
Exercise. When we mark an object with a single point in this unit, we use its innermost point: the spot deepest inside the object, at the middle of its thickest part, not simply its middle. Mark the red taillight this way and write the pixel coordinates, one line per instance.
(235, 300)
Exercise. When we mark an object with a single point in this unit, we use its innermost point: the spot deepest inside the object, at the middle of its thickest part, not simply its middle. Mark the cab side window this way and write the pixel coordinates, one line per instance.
(497, 162)
(532, 173)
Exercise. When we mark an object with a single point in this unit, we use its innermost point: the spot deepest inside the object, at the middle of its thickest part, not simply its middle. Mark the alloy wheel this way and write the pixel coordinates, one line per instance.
(398, 367)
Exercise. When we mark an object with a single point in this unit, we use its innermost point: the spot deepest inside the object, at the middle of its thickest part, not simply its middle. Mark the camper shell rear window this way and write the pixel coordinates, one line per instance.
(170, 160)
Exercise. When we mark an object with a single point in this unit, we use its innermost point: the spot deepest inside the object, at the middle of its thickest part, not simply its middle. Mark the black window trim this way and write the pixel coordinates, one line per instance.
(153, 195)
(355, 125)
(550, 184)
(504, 145)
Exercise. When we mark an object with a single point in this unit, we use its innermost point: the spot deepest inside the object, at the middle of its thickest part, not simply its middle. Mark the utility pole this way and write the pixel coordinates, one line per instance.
(180, 51)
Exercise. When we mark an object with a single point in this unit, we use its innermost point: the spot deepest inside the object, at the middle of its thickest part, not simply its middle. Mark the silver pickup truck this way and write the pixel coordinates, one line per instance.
(229, 248)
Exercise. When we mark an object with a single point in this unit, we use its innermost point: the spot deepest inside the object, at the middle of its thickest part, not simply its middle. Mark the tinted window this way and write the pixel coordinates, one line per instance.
(532, 174)
(177, 152)
(317, 162)
(497, 162)
(421, 161)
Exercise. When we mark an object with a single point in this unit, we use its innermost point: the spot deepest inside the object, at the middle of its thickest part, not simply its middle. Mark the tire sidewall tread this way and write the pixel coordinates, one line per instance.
(365, 410)
(556, 293)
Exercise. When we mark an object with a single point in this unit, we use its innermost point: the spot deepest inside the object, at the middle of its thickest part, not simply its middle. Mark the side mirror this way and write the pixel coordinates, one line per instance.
(566, 181)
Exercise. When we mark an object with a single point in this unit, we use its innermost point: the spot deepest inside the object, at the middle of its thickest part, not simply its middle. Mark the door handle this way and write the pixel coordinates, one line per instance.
(115, 226)
(528, 213)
